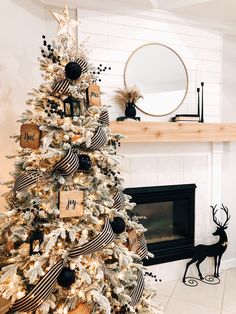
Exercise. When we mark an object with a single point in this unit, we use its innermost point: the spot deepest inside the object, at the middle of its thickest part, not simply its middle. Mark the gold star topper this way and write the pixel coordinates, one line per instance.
(66, 24)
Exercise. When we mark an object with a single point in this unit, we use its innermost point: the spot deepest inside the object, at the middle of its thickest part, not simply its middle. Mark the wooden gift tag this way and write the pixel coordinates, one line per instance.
(29, 136)
(71, 203)
(133, 244)
(4, 305)
(94, 96)
(83, 308)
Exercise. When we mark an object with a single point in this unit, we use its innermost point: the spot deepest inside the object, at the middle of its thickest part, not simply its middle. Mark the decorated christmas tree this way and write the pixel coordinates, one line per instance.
(67, 242)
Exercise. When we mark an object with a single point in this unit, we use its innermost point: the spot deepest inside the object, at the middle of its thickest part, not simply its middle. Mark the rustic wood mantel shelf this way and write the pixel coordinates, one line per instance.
(136, 131)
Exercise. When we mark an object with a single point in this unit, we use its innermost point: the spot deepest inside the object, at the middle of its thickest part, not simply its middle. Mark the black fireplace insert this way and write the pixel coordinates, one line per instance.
(169, 212)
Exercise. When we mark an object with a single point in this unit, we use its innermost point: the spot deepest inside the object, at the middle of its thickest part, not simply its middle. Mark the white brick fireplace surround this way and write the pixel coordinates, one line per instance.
(155, 164)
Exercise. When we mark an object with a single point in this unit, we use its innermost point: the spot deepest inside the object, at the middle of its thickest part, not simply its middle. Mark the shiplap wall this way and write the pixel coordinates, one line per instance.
(112, 37)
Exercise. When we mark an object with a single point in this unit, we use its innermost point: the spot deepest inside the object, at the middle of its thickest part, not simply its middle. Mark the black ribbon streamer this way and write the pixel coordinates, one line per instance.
(104, 118)
(61, 87)
(43, 289)
(119, 200)
(83, 64)
(27, 179)
(142, 250)
(137, 292)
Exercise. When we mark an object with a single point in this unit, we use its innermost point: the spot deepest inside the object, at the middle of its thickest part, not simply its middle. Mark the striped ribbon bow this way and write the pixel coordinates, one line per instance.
(69, 164)
(137, 292)
(63, 87)
(43, 289)
(66, 166)
(97, 140)
(104, 118)
(27, 179)
(142, 250)
(119, 200)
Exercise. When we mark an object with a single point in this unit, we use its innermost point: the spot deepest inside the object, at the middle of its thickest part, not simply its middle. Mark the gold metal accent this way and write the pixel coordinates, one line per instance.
(186, 72)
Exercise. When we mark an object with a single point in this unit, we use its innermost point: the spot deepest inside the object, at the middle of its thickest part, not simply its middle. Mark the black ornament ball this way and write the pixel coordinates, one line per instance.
(73, 70)
(118, 225)
(66, 277)
(85, 162)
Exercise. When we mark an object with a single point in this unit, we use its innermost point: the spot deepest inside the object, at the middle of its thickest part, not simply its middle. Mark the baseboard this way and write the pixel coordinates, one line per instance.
(229, 263)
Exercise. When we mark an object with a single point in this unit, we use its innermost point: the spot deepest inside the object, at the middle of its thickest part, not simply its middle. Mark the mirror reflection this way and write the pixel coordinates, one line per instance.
(161, 76)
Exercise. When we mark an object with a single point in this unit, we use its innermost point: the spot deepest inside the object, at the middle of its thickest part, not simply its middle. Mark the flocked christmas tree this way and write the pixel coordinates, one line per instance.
(67, 242)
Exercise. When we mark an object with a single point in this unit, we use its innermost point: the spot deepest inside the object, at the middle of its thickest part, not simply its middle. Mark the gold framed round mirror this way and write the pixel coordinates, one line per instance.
(161, 75)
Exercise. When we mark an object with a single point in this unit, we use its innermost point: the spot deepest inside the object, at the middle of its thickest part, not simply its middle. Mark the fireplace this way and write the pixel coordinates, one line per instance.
(169, 212)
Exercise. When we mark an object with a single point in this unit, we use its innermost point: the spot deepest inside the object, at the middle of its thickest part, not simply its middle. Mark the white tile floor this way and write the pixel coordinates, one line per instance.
(177, 298)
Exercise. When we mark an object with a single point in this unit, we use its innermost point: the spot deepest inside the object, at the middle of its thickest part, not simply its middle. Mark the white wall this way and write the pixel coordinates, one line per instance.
(229, 156)
(112, 37)
(23, 22)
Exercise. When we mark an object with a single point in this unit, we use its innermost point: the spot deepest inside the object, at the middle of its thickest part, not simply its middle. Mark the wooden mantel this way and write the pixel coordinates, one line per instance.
(136, 131)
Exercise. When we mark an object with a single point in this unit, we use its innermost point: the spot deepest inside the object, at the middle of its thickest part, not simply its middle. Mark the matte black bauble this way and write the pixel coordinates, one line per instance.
(66, 277)
(73, 70)
(85, 162)
(118, 225)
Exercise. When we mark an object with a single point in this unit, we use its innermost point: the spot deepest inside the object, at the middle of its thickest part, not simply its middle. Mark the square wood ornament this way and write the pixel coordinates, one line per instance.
(94, 95)
(71, 204)
(29, 136)
(133, 244)
(83, 308)
(4, 305)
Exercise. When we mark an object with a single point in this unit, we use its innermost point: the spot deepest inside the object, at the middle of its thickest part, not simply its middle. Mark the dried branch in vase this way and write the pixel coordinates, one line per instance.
(127, 95)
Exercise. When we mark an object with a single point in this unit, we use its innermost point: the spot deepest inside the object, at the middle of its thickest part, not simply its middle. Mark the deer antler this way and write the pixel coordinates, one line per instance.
(226, 210)
(214, 211)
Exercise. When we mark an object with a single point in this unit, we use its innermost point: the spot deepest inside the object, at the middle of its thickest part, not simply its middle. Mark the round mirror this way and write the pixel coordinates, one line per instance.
(160, 74)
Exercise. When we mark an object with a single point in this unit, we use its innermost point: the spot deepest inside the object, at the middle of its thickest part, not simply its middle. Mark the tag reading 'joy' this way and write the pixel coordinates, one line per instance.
(29, 136)
(71, 204)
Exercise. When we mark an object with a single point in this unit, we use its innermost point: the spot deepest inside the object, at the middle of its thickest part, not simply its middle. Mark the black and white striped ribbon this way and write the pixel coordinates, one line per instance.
(142, 250)
(40, 292)
(27, 179)
(104, 118)
(97, 140)
(119, 200)
(61, 87)
(83, 64)
(69, 164)
(97, 244)
(137, 292)
(66, 166)
(43, 289)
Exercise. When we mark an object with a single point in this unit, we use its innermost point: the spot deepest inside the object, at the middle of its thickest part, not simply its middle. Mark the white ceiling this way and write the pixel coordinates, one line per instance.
(213, 10)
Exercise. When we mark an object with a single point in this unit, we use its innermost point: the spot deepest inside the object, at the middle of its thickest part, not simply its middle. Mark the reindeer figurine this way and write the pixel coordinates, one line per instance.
(200, 252)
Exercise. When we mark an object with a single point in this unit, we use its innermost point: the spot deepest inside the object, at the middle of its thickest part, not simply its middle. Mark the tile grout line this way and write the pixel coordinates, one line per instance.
(225, 282)
(171, 295)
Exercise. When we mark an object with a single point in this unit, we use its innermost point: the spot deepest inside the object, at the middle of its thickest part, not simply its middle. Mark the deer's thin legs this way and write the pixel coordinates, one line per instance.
(187, 266)
(218, 266)
(198, 266)
(215, 271)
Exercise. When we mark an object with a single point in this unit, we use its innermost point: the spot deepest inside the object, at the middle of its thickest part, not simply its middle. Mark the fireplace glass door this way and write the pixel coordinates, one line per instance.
(169, 212)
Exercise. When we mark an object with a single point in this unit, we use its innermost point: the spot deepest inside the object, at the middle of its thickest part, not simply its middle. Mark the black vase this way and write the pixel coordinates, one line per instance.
(130, 111)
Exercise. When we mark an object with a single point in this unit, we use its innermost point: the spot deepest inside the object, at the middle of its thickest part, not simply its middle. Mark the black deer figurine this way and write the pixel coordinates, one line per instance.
(201, 251)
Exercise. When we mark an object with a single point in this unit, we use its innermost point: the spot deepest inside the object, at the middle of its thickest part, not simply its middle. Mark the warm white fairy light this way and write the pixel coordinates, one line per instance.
(92, 272)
